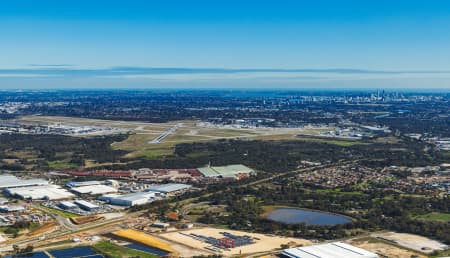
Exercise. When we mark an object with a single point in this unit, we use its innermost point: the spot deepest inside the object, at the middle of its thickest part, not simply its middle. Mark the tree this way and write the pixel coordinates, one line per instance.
(28, 249)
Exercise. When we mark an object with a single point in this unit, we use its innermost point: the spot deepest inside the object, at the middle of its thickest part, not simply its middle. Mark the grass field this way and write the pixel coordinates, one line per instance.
(343, 143)
(446, 154)
(435, 216)
(441, 254)
(138, 146)
(64, 214)
(61, 164)
(116, 251)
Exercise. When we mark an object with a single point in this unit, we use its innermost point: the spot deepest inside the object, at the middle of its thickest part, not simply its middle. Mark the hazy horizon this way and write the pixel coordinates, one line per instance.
(233, 44)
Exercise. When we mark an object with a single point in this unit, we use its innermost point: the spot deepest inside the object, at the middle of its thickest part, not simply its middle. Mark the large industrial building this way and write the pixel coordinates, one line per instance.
(139, 198)
(13, 208)
(82, 183)
(40, 192)
(10, 181)
(329, 250)
(85, 205)
(66, 205)
(169, 188)
(94, 189)
(131, 199)
(230, 171)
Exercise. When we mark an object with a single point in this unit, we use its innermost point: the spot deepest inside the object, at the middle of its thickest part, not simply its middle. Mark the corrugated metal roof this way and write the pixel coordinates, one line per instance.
(133, 196)
(68, 204)
(82, 183)
(225, 171)
(12, 208)
(208, 172)
(168, 188)
(50, 192)
(86, 204)
(94, 189)
(329, 250)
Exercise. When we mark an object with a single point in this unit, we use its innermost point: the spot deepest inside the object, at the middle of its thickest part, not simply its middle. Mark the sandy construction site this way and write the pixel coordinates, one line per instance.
(414, 242)
(387, 250)
(262, 243)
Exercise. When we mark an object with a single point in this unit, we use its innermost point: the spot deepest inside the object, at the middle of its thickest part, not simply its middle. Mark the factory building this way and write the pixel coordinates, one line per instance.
(158, 224)
(40, 192)
(86, 205)
(230, 171)
(82, 183)
(169, 188)
(10, 181)
(94, 189)
(12, 208)
(131, 199)
(67, 205)
(335, 250)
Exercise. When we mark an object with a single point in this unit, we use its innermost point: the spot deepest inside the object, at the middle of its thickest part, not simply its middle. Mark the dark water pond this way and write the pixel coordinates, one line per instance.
(33, 255)
(297, 216)
(147, 249)
(84, 251)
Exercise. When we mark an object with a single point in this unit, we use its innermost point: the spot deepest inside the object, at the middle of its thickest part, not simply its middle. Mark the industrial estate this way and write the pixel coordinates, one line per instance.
(279, 176)
(224, 128)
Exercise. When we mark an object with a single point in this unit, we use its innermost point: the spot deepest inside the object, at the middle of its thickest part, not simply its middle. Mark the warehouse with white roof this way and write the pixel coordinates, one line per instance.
(94, 189)
(85, 205)
(230, 171)
(169, 188)
(131, 199)
(82, 183)
(67, 205)
(12, 208)
(10, 181)
(40, 192)
(329, 250)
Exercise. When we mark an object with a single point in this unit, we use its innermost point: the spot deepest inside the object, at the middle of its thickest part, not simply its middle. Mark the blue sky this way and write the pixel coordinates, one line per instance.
(255, 44)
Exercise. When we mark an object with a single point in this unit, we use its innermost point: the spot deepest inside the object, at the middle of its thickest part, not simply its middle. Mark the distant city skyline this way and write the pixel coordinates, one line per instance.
(224, 44)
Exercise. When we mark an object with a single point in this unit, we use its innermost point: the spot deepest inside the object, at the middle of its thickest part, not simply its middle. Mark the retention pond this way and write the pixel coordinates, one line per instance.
(298, 216)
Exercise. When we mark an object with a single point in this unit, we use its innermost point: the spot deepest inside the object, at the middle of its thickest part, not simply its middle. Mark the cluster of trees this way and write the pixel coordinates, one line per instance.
(38, 150)
(19, 252)
(17, 227)
(277, 156)
(372, 210)
(270, 156)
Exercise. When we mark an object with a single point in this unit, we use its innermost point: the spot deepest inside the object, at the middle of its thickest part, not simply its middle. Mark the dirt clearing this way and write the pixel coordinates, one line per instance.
(262, 243)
